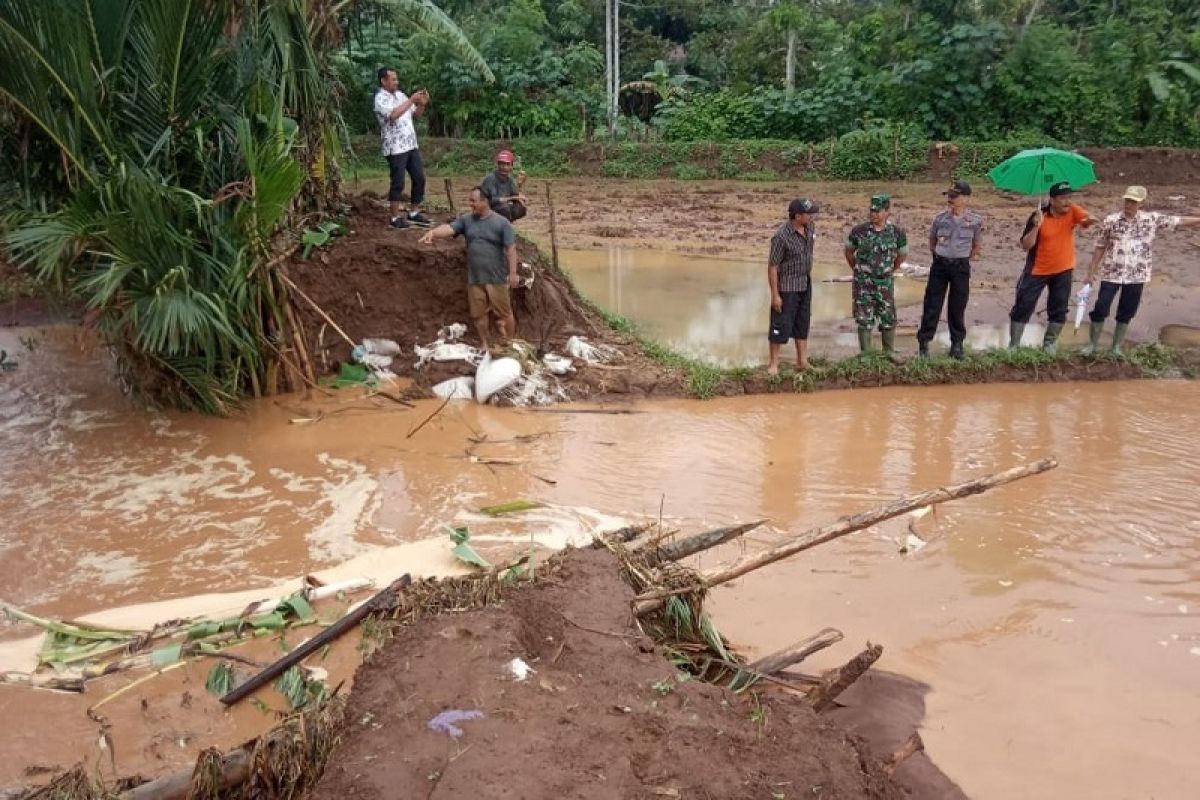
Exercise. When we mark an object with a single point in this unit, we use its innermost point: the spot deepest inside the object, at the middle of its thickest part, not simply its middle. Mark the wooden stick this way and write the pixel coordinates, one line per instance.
(314, 644)
(912, 745)
(841, 679)
(650, 601)
(553, 227)
(682, 548)
(797, 652)
(450, 196)
(425, 421)
(318, 309)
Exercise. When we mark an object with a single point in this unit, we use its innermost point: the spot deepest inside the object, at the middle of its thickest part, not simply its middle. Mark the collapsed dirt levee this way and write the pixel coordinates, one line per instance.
(379, 282)
(601, 716)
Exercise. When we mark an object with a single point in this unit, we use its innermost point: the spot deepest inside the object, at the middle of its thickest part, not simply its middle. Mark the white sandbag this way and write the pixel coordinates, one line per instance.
(556, 364)
(445, 351)
(461, 388)
(492, 375)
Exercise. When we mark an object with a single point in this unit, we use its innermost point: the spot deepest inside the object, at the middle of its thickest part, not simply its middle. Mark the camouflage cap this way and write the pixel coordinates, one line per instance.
(880, 202)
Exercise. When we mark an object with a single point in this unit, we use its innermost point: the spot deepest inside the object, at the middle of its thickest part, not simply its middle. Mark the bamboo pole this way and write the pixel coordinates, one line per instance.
(553, 227)
(651, 601)
(682, 548)
(314, 644)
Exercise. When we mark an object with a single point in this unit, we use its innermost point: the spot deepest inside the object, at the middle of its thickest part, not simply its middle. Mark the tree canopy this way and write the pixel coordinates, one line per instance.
(1089, 72)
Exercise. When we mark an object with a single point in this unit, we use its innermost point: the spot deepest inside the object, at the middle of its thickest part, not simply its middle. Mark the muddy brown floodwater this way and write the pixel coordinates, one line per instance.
(1057, 620)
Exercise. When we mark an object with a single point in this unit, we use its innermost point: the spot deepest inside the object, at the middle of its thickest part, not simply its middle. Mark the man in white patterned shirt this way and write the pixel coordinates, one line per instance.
(395, 111)
(1122, 259)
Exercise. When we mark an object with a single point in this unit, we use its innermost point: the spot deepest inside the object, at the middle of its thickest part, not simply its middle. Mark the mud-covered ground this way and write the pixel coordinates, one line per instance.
(601, 716)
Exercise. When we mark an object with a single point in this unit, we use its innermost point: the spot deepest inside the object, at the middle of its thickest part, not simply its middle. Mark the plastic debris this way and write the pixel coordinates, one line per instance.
(1081, 301)
(460, 388)
(519, 669)
(525, 275)
(580, 348)
(452, 332)
(492, 375)
(446, 721)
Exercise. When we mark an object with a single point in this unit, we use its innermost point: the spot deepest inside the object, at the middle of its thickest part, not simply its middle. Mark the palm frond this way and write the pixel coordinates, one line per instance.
(430, 19)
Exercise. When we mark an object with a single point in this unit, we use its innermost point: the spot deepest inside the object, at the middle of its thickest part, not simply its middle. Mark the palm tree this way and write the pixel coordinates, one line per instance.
(185, 132)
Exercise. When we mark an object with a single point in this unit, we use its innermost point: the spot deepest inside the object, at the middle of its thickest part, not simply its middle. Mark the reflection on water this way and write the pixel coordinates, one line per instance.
(710, 308)
(1063, 608)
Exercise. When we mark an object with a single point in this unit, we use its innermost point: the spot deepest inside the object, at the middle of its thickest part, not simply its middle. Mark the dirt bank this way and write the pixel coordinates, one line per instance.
(602, 716)
(380, 282)
(1152, 166)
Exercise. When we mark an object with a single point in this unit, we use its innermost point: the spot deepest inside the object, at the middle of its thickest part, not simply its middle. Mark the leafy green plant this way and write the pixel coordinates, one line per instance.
(319, 236)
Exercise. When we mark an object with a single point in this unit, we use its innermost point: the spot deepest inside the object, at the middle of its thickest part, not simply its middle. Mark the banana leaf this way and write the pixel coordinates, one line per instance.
(463, 551)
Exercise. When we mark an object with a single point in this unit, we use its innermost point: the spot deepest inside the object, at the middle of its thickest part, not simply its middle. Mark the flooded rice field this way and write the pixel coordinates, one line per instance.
(1057, 620)
(716, 308)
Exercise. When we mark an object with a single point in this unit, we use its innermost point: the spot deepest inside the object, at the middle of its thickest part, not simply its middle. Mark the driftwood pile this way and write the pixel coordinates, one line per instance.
(288, 760)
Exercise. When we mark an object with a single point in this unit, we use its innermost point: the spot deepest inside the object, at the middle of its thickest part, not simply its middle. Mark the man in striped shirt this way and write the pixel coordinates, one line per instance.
(789, 275)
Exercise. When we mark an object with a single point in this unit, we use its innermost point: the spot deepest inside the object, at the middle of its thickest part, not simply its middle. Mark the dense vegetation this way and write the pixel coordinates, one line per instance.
(1087, 72)
(152, 149)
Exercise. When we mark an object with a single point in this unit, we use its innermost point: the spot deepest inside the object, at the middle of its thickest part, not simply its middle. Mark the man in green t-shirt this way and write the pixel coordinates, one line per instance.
(503, 191)
(491, 264)
(875, 250)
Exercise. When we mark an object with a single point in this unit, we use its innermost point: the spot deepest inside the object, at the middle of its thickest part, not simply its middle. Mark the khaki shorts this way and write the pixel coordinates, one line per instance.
(482, 298)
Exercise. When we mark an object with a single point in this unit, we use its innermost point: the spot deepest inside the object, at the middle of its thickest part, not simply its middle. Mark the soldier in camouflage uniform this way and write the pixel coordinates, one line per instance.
(875, 250)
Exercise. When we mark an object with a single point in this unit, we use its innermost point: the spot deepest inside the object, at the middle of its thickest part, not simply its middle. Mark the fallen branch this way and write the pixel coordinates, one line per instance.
(682, 548)
(841, 679)
(314, 644)
(651, 601)
(234, 771)
(794, 654)
(621, 535)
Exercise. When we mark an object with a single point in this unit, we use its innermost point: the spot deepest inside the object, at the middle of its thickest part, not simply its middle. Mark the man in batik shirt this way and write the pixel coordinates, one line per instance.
(875, 250)
(1122, 259)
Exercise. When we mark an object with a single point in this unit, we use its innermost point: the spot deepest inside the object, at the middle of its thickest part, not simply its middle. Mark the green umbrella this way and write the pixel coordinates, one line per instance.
(1035, 171)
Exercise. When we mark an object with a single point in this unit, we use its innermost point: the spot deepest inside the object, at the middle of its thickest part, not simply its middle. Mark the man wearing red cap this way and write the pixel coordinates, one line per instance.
(502, 192)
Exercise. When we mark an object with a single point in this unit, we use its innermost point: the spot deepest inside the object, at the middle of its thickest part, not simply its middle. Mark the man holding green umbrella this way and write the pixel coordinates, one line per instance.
(1049, 237)
(1049, 241)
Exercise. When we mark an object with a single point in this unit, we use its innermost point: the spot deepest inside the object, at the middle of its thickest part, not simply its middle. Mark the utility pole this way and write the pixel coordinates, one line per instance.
(612, 61)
